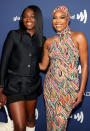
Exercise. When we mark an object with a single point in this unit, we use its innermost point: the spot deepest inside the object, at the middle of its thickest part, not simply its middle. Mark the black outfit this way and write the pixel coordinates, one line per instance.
(19, 71)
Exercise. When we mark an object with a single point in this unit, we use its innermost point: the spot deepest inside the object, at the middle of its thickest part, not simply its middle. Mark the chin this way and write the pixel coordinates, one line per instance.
(29, 27)
(58, 30)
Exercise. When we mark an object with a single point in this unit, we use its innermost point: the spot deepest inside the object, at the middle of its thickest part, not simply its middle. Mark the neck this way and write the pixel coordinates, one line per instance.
(31, 32)
(63, 32)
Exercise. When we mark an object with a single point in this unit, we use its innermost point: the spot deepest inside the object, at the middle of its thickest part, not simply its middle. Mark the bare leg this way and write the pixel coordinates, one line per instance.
(17, 110)
(30, 110)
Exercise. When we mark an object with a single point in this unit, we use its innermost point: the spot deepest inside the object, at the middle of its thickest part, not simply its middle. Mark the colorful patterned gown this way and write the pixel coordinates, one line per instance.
(61, 82)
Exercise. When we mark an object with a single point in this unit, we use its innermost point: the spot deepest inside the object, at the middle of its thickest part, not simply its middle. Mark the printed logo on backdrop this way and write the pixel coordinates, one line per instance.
(81, 16)
(79, 117)
(87, 93)
(16, 18)
(36, 113)
(79, 69)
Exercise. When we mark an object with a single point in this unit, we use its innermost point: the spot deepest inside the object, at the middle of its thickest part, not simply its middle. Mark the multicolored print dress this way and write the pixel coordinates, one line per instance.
(61, 81)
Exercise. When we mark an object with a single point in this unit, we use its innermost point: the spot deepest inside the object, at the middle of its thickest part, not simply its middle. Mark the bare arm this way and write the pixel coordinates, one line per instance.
(83, 49)
(45, 60)
(84, 62)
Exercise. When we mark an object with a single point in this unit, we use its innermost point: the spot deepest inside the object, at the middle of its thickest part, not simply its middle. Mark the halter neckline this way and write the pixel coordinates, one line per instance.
(63, 33)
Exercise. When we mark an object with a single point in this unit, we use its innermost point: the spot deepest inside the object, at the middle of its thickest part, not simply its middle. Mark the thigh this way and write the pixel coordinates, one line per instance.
(30, 106)
(17, 110)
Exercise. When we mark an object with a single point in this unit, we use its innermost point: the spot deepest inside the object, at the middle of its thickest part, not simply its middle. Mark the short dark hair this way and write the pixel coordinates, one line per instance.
(38, 23)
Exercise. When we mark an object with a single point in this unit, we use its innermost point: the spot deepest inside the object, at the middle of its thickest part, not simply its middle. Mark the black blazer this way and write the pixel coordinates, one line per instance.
(20, 55)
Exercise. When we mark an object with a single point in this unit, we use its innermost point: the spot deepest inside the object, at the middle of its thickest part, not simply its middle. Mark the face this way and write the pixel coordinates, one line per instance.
(29, 20)
(60, 21)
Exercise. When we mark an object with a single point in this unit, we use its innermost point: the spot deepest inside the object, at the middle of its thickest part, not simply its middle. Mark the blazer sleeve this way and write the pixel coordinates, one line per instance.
(6, 52)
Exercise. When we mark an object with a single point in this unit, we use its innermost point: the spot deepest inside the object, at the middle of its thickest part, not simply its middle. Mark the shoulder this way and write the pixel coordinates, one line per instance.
(49, 40)
(12, 33)
(78, 36)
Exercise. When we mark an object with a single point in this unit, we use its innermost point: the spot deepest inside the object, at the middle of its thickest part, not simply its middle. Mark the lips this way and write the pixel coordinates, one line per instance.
(29, 23)
(58, 25)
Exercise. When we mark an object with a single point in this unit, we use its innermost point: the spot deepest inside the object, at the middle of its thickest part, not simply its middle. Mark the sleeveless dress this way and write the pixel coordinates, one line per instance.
(61, 81)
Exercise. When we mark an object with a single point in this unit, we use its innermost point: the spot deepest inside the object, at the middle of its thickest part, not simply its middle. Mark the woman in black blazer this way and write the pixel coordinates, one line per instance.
(20, 81)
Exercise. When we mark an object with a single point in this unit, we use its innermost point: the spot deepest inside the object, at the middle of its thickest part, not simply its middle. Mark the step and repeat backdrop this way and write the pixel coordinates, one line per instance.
(10, 12)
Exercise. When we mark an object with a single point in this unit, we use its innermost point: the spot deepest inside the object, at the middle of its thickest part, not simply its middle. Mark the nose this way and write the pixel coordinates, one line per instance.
(28, 18)
(58, 20)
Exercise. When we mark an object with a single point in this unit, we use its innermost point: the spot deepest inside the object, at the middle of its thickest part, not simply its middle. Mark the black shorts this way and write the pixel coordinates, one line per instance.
(19, 88)
(16, 98)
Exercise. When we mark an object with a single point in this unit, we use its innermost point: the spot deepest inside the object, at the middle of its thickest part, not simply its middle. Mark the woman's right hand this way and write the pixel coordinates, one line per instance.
(3, 98)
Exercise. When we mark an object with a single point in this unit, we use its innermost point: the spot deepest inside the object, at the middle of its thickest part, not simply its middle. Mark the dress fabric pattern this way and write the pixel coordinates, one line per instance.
(61, 81)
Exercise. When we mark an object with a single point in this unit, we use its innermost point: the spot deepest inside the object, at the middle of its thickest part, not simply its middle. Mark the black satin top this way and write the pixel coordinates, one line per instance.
(20, 55)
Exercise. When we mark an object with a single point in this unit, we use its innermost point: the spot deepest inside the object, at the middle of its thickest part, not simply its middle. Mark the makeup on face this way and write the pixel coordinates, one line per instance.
(60, 20)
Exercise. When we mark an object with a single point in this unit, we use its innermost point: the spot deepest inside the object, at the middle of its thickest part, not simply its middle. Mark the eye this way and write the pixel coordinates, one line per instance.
(33, 16)
(25, 16)
(63, 17)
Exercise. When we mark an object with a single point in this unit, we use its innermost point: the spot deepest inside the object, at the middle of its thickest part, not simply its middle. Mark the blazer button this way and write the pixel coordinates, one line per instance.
(28, 66)
(30, 54)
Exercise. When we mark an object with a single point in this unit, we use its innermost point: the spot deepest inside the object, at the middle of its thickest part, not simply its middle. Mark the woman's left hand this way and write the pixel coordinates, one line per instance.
(78, 99)
(3, 99)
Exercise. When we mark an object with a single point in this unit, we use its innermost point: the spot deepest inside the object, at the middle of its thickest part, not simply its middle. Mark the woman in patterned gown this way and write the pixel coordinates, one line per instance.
(61, 86)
